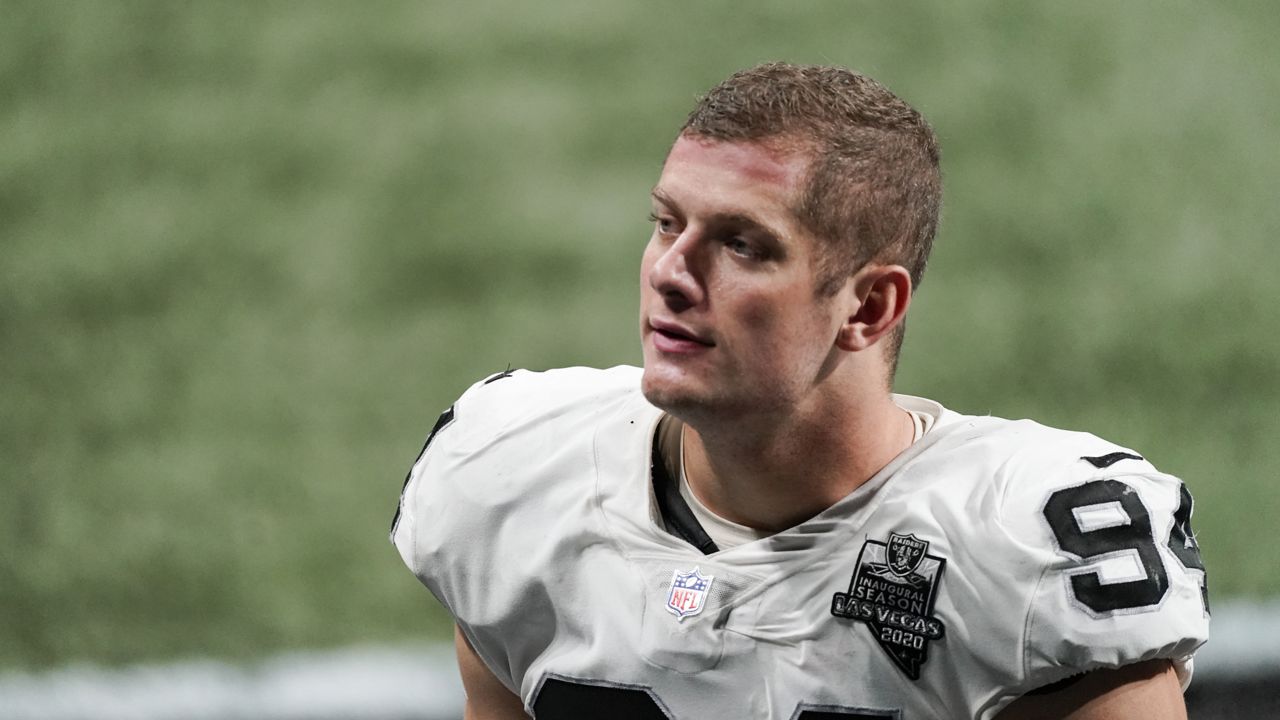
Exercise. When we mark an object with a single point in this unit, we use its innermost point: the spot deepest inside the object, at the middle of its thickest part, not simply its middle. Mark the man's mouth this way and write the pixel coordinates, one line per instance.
(676, 337)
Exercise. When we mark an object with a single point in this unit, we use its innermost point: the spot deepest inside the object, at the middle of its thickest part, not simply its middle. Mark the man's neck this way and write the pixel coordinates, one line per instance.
(774, 473)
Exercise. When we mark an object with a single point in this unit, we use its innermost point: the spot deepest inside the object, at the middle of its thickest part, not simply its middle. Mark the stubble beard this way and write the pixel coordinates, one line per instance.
(678, 399)
(707, 407)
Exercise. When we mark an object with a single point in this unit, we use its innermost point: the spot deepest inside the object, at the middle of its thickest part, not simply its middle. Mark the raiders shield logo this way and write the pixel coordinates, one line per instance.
(905, 553)
(892, 590)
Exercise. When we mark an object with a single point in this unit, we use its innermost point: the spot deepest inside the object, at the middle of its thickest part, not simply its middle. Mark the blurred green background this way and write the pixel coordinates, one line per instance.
(248, 251)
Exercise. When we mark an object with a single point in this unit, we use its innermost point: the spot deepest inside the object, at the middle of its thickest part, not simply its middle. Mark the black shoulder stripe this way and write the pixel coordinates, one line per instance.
(498, 376)
(445, 418)
(1103, 461)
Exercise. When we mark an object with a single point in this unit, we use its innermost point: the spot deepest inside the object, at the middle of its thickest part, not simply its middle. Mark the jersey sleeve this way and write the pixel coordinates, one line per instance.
(1121, 578)
(493, 501)
(434, 529)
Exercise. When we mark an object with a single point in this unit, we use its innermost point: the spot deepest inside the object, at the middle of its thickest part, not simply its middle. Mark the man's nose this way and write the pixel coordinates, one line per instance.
(676, 274)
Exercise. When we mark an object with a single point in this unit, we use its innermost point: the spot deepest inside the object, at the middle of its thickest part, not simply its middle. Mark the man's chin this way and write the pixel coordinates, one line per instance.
(667, 393)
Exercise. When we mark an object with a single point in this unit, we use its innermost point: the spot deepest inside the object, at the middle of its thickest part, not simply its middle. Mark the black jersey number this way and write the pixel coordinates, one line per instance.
(1183, 545)
(1182, 541)
(1133, 534)
(566, 699)
(562, 699)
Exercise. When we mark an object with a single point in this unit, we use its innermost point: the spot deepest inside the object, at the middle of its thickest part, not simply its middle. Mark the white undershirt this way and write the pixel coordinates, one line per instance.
(726, 533)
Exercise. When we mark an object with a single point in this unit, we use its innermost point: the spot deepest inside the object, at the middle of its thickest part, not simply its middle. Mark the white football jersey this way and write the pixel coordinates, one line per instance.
(988, 560)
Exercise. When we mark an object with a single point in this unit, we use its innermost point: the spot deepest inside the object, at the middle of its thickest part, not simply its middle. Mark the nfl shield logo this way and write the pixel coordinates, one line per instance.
(688, 592)
(904, 553)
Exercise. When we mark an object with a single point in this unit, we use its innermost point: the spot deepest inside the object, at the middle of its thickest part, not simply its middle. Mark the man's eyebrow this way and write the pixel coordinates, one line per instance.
(662, 197)
(740, 218)
(745, 220)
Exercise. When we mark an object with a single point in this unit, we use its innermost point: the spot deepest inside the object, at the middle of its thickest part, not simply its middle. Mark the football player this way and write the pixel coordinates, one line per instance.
(753, 525)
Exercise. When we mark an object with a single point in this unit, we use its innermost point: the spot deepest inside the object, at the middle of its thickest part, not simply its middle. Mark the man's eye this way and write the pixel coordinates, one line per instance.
(664, 225)
(740, 247)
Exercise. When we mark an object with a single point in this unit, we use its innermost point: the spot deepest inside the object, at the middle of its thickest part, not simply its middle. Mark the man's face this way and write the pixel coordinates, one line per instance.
(730, 319)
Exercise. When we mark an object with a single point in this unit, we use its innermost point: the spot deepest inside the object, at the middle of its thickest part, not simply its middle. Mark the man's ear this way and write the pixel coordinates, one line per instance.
(882, 294)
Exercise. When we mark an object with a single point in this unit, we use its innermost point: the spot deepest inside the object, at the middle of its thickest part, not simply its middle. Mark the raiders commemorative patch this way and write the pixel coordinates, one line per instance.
(892, 590)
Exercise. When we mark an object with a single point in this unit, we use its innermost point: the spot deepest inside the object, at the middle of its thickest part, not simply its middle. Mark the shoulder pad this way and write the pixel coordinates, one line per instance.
(1121, 577)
